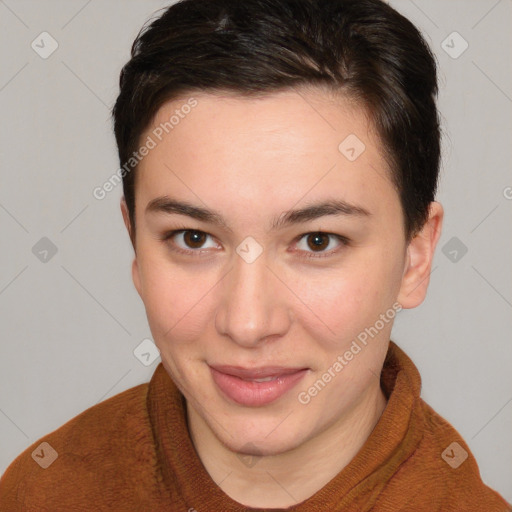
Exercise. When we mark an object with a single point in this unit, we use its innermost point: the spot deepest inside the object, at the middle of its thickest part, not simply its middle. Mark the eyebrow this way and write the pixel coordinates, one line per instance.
(338, 207)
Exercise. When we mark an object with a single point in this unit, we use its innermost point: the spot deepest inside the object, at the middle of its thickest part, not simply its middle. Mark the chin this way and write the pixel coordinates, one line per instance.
(263, 440)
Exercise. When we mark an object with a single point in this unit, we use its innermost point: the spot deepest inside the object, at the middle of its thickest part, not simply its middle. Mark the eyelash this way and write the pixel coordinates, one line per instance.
(197, 252)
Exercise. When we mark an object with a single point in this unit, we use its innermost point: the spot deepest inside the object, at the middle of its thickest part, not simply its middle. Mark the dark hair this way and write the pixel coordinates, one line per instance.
(363, 49)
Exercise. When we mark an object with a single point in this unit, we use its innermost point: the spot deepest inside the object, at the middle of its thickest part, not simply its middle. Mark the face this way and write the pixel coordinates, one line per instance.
(263, 250)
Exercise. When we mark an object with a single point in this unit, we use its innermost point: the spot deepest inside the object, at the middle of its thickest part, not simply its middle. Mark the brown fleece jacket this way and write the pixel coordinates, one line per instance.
(133, 452)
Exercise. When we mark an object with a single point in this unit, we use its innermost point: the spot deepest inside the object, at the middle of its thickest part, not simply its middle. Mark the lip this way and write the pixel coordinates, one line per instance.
(238, 383)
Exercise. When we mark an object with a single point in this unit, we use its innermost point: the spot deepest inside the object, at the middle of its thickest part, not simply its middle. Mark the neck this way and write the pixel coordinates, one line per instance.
(285, 479)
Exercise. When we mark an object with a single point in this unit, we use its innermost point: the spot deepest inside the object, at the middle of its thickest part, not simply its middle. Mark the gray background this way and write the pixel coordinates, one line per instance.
(69, 325)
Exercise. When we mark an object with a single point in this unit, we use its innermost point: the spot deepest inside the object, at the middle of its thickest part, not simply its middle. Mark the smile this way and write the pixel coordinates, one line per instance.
(255, 387)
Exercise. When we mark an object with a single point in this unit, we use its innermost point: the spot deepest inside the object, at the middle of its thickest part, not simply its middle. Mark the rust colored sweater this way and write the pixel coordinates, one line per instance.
(133, 452)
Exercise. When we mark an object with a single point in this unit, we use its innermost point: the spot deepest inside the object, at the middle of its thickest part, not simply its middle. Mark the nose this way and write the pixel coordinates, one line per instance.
(253, 307)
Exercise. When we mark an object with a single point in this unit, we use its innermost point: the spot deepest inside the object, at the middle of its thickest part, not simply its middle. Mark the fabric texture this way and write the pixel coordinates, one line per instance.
(133, 452)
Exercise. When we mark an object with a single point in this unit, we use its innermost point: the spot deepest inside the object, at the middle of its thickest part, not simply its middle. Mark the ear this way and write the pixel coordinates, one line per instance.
(129, 228)
(420, 254)
(126, 219)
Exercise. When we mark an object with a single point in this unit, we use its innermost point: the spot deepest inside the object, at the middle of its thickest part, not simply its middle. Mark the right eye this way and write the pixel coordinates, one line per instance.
(188, 241)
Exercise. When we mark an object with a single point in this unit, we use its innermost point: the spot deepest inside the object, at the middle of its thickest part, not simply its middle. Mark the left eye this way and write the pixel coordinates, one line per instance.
(320, 242)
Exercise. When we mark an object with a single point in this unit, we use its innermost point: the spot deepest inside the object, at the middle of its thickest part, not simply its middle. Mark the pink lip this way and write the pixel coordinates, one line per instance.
(237, 384)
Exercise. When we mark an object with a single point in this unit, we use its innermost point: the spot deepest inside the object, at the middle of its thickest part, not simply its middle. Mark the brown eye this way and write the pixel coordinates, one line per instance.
(194, 239)
(319, 244)
(190, 241)
(318, 241)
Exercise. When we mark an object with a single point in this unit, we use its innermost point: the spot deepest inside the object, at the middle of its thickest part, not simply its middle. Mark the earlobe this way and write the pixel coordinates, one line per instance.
(419, 258)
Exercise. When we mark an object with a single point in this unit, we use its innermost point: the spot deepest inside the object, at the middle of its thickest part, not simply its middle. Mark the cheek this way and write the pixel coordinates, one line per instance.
(343, 301)
(176, 301)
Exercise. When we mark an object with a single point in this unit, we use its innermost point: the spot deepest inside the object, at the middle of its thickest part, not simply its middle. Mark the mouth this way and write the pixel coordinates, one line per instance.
(255, 387)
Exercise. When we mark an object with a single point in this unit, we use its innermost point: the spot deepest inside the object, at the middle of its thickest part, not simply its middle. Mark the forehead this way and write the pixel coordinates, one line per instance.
(312, 116)
(279, 147)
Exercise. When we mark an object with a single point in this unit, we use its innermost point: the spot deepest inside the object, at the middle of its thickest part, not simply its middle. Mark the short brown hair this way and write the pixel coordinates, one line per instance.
(361, 48)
